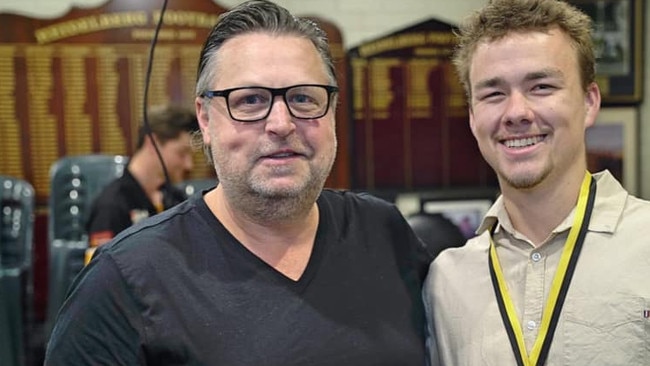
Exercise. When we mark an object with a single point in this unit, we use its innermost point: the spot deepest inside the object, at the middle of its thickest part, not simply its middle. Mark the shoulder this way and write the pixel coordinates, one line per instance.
(352, 211)
(637, 208)
(115, 195)
(458, 268)
(634, 220)
(469, 257)
(161, 235)
(356, 202)
(615, 208)
(459, 274)
(371, 221)
(123, 182)
(173, 242)
(98, 292)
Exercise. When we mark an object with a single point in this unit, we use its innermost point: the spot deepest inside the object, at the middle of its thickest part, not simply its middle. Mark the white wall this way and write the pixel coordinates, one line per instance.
(362, 20)
(644, 125)
(359, 20)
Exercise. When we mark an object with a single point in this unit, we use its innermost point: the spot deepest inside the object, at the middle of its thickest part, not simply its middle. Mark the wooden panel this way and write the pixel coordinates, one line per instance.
(410, 121)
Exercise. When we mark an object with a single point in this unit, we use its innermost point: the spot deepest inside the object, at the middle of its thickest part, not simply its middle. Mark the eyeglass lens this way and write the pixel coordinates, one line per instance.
(250, 104)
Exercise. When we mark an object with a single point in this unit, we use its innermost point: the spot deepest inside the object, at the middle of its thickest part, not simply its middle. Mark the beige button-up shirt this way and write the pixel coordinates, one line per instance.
(605, 319)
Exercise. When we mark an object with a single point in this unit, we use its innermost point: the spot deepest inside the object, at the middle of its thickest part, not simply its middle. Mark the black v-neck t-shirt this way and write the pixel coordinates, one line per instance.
(179, 289)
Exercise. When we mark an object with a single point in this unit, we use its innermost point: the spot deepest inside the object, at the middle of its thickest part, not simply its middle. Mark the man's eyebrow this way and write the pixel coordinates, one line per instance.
(544, 73)
(489, 83)
(535, 75)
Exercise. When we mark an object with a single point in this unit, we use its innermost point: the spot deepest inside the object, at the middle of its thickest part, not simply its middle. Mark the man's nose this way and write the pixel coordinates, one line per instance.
(280, 121)
(518, 109)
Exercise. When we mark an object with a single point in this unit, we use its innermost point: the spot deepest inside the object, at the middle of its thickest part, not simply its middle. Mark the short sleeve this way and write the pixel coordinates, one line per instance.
(99, 323)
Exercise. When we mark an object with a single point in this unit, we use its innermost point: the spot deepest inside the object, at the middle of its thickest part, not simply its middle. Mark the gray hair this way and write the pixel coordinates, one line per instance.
(258, 16)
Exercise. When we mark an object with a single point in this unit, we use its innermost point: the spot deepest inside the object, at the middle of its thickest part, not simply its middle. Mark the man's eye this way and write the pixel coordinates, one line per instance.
(544, 88)
(301, 98)
(252, 99)
(248, 98)
(490, 95)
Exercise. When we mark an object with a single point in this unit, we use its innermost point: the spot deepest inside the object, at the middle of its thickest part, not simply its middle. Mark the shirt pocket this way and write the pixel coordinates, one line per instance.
(606, 331)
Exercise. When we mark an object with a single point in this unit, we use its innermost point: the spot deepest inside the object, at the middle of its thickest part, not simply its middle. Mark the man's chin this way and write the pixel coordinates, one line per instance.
(524, 181)
(280, 191)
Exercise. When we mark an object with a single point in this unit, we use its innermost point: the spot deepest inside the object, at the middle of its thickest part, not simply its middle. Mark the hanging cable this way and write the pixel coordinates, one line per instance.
(171, 194)
(145, 99)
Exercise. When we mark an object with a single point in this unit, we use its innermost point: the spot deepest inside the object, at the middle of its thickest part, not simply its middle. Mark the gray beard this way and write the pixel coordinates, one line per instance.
(266, 209)
(263, 206)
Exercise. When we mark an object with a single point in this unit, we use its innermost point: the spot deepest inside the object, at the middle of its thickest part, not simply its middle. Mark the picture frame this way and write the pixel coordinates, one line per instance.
(618, 37)
(467, 215)
(464, 207)
(612, 144)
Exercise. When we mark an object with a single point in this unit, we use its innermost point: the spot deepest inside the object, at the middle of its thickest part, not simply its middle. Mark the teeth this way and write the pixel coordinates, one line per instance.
(523, 142)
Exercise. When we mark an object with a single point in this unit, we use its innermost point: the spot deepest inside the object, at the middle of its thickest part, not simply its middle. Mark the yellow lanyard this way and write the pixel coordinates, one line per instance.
(559, 287)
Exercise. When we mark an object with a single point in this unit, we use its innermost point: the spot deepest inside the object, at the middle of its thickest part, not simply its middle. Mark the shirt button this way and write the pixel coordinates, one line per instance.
(536, 257)
(531, 325)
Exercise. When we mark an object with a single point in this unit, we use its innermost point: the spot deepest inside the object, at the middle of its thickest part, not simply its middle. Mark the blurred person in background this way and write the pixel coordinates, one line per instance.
(142, 191)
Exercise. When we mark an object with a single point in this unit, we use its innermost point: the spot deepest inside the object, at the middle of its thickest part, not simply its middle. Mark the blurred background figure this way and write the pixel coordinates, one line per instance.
(436, 231)
(143, 190)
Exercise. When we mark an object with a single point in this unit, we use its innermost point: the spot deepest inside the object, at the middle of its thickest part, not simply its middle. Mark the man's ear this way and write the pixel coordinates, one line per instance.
(471, 121)
(592, 104)
(202, 116)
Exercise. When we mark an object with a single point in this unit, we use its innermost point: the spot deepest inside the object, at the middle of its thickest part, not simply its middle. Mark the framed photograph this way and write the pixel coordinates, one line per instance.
(463, 207)
(466, 214)
(618, 37)
(612, 145)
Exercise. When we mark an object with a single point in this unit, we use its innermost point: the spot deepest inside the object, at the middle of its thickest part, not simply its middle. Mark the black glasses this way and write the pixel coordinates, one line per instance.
(254, 103)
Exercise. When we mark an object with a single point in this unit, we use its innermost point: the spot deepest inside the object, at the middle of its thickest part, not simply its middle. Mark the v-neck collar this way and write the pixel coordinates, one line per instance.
(260, 266)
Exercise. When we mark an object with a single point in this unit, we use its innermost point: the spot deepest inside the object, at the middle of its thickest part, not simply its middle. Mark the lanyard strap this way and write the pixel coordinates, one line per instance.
(559, 287)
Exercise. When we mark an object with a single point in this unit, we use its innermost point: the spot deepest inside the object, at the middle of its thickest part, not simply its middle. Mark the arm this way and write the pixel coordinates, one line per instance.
(432, 346)
(99, 323)
(106, 220)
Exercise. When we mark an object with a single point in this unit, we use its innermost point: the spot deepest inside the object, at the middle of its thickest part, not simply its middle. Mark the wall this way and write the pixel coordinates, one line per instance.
(359, 20)
(362, 20)
(644, 125)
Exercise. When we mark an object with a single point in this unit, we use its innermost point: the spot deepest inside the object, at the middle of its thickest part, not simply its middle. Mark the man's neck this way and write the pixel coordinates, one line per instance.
(148, 174)
(536, 212)
(284, 241)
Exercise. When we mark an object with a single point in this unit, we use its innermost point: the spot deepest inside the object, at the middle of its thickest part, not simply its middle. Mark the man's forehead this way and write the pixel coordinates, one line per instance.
(268, 60)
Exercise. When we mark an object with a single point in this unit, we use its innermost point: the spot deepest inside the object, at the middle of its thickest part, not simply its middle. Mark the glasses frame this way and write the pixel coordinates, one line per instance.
(209, 94)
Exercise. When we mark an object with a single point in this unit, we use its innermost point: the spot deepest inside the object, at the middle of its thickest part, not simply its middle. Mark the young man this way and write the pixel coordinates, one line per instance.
(141, 191)
(558, 273)
(267, 268)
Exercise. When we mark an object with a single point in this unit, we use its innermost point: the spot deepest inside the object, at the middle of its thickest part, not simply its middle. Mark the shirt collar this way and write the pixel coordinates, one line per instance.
(608, 209)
